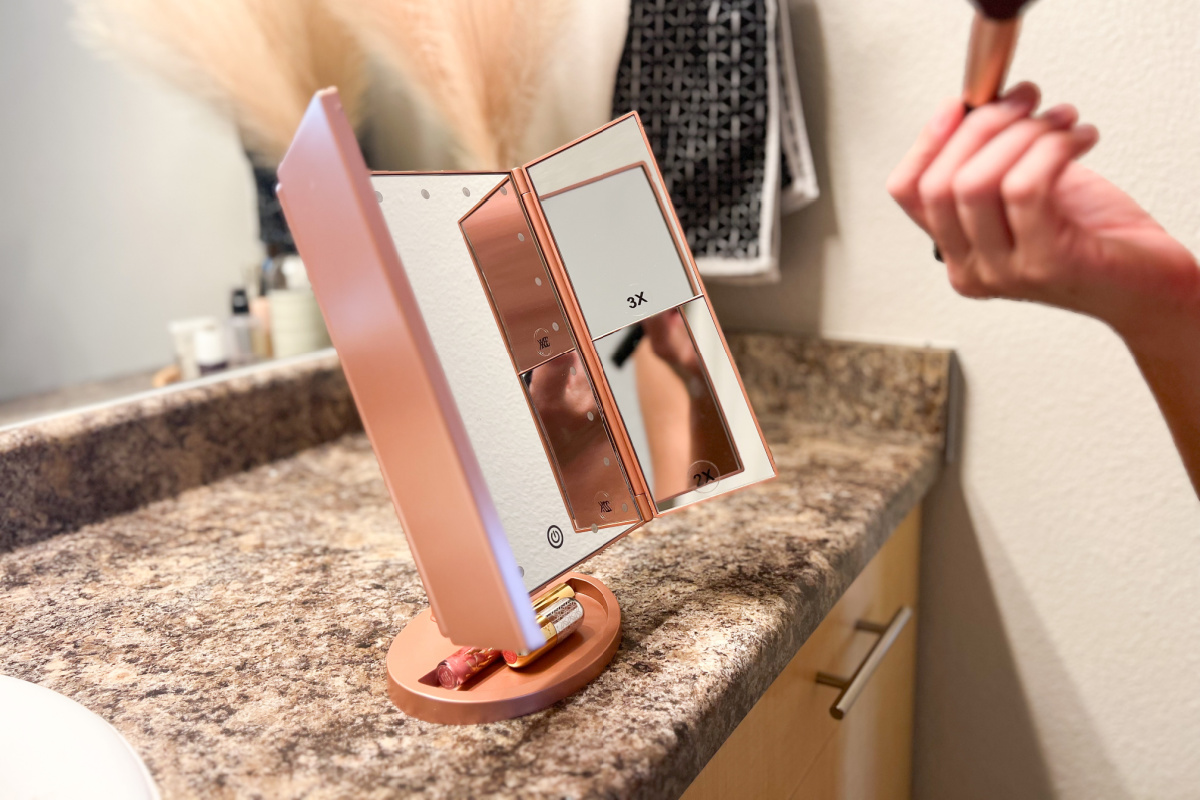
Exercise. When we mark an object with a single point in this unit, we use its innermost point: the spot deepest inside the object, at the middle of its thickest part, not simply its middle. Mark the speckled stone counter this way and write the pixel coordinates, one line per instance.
(235, 632)
(66, 471)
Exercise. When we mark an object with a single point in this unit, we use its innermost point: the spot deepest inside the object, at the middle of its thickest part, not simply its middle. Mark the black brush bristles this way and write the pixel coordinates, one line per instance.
(1001, 9)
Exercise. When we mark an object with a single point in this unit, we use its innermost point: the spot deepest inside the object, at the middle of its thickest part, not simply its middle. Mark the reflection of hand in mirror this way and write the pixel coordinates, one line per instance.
(563, 398)
(562, 394)
(666, 413)
(577, 439)
(670, 340)
(683, 424)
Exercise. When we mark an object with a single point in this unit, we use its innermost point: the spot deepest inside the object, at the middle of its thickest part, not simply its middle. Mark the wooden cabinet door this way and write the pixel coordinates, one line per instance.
(869, 756)
(789, 746)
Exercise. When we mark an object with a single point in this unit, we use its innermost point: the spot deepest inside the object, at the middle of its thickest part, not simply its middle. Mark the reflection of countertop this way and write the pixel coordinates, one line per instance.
(236, 632)
(29, 407)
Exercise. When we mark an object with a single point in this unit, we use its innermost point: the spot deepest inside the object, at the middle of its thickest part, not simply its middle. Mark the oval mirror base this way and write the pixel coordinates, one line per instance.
(502, 692)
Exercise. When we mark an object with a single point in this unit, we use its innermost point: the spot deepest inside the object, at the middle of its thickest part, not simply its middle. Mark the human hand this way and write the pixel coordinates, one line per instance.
(1016, 216)
(669, 339)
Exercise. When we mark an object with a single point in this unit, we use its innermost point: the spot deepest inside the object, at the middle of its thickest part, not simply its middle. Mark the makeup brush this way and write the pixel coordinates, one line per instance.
(993, 42)
(989, 53)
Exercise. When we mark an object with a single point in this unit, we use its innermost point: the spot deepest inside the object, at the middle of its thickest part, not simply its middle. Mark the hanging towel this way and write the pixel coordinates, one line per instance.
(715, 84)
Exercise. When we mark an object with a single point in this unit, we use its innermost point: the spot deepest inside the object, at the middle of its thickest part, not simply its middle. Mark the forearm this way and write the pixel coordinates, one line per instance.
(1171, 365)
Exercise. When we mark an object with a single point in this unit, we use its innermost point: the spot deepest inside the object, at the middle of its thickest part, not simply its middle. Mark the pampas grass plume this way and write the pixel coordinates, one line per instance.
(478, 63)
(257, 61)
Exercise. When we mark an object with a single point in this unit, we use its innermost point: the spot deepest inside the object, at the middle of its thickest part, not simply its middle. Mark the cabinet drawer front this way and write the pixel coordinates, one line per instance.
(869, 757)
(778, 742)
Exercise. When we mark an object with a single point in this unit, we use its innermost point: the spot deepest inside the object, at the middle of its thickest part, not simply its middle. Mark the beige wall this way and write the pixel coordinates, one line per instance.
(1060, 643)
(1060, 646)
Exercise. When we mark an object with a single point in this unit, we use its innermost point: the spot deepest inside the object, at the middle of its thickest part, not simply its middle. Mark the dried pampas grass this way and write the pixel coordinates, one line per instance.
(478, 63)
(257, 61)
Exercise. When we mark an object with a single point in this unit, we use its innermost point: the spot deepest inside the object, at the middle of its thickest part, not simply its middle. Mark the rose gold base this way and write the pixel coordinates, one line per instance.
(501, 692)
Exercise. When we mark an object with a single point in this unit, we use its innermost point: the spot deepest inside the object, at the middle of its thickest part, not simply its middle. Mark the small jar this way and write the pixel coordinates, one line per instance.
(211, 353)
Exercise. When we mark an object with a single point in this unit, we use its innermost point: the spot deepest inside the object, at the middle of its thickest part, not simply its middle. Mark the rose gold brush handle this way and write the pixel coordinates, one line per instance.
(993, 42)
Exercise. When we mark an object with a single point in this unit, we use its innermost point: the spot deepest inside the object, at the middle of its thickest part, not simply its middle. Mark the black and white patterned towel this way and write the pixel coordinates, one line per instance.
(715, 84)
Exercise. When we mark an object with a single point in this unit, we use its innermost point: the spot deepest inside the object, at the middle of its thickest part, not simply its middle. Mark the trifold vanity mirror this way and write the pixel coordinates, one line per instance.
(539, 372)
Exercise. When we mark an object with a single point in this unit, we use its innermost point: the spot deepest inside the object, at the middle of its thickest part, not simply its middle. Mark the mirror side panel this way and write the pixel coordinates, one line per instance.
(668, 369)
(408, 409)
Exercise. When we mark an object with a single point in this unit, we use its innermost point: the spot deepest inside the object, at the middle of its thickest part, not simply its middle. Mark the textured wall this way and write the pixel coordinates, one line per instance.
(1061, 582)
(1062, 569)
(122, 205)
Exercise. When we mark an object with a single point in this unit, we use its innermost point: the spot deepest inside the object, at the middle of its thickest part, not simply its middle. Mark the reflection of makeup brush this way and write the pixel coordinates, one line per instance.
(993, 41)
(628, 345)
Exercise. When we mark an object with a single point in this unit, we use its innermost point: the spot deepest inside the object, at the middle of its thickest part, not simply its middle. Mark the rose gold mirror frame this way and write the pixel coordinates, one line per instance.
(403, 397)
(399, 386)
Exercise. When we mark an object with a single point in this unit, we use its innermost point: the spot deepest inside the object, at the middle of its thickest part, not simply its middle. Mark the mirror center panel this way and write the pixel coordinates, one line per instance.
(544, 351)
(422, 213)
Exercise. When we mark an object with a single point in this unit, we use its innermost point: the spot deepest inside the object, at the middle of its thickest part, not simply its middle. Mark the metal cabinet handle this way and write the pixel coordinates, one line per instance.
(853, 686)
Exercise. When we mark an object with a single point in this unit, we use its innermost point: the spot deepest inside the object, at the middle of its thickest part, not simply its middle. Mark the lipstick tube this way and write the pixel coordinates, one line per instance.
(464, 665)
(560, 619)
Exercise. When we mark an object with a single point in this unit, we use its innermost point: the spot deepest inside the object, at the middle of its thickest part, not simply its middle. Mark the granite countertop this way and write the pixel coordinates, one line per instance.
(231, 618)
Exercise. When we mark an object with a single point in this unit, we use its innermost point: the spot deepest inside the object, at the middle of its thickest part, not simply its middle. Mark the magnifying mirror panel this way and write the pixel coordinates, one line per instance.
(617, 248)
(663, 391)
(605, 206)
(740, 424)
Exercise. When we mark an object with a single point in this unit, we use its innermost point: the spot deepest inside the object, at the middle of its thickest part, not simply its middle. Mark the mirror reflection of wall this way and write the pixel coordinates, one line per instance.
(124, 206)
(139, 158)
(130, 203)
(132, 250)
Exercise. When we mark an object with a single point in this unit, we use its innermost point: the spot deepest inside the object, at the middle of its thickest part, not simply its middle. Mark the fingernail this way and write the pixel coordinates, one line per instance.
(1020, 101)
(1060, 115)
(1022, 96)
(1086, 134)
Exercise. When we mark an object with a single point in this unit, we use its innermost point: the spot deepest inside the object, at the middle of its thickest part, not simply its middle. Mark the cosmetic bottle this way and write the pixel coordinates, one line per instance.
(242, 328)
(260, 309)
(183, 340)
(211, 353)
(296, 323)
